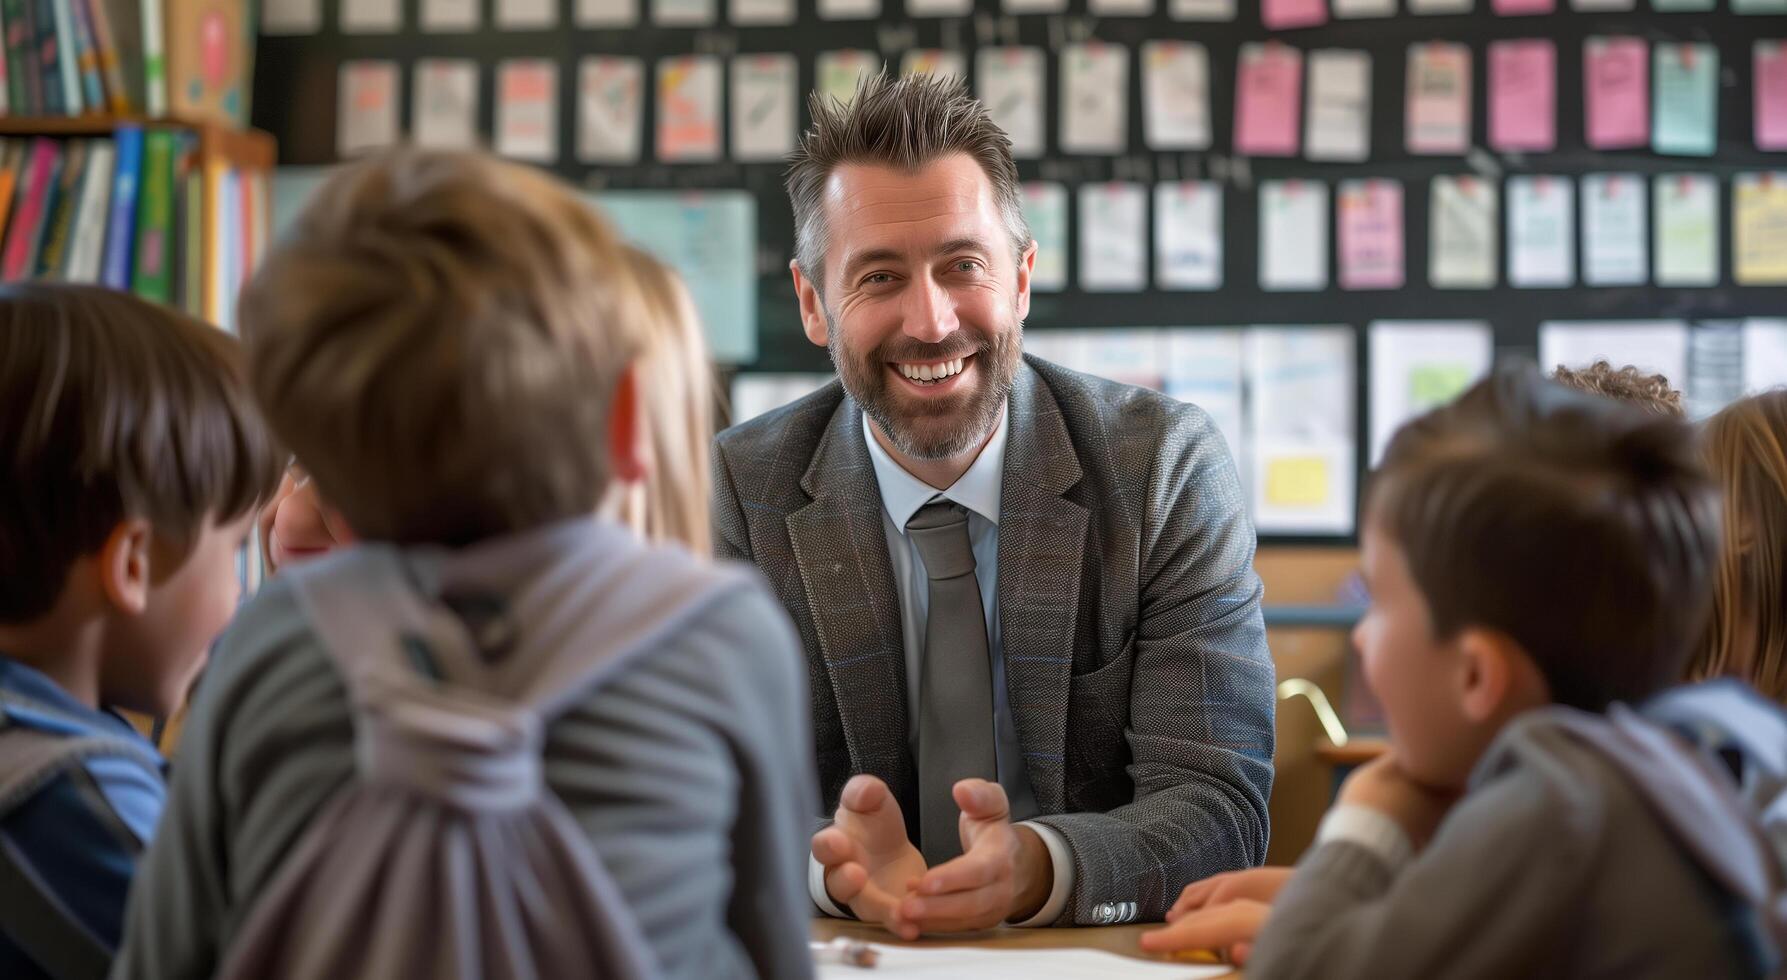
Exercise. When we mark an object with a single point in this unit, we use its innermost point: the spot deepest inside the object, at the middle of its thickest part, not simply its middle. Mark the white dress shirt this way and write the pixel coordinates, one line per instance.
(977, 491)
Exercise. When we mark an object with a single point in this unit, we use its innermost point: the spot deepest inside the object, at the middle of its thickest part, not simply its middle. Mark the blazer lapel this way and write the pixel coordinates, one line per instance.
(840, 545)
(1042, 541)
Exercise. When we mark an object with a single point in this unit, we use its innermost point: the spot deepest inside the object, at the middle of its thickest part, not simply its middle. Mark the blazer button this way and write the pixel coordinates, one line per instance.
(1105, 913)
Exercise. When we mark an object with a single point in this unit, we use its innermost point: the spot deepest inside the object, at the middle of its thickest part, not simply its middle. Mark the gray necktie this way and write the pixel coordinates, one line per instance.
(955, 681)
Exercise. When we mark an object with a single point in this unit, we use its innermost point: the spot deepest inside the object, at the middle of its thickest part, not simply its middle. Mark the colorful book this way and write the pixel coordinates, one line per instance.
(153, 278)
(86, 60)
(12, 161)
(155, 66)
(213, 240)
(22, 76)
(7, 102)
(68, 70)
(86, 252)
(120, 236)
(192, 245)
(23, 237)
(48, 63)
(59, 211)
(207, 46)
(118, 34)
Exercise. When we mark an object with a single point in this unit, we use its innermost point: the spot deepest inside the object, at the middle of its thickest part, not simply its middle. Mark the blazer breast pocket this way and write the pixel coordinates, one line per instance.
(1099, 700)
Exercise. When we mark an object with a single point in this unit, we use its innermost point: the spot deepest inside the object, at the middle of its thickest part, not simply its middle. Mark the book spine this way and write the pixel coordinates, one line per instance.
(8, 102)
(105, 53)
(49, 66)
(155, 60)
(58, 223)
(21, 56)
(12, 156)
(86, 57)
(27, 230)
(120, 238)
(192, 243)
(212, 241)
(68, 70)
(88, 248)
(155, 218)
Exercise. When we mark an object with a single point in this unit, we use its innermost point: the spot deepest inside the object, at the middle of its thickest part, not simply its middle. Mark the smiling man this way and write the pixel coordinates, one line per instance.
(1040, 684)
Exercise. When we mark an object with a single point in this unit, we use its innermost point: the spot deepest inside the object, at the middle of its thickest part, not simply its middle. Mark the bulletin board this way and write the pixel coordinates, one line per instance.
(296, 98)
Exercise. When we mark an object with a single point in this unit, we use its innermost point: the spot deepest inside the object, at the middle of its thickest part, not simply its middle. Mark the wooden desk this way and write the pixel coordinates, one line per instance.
(1121, 940)
(1356, 752)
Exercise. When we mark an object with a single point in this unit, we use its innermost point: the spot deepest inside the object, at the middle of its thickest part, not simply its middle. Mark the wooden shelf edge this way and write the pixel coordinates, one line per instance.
(249, 148)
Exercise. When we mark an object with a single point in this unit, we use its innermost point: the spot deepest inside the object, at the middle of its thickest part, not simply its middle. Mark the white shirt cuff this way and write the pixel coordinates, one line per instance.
(1062, 859)
(816, 889)
(1369, 829)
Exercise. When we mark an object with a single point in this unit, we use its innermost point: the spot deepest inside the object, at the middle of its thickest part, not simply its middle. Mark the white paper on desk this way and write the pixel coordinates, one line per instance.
(289, 17)
(1094, 102)
(1203, 367)
(1175, 95)
(683, 13)
(764, 113)
(934, 62)
(939, 8)
(954, 963)
(1293, 235)
(1201, 9)
(449, 16)
(1686, 243)
(839, 72)
(526, 15)
(1541, 232)
(1133, 357)
(1045, 211)
(1120, 8)
(1615, 241)
(444, 107)
(1302, 453)
(1346, 9)
(1417, 366)
(1338, 126)
(849, 9)
(371, 16)
(1113, 237)
(1652, 346)
(610, 109)
(607, 13)
(689, 108)
(748, 12)
(1441, 6)
(1463, 249)
(1188, 234)
(527, 109)
(1765, 354)
(366, 114)
(1009, 82)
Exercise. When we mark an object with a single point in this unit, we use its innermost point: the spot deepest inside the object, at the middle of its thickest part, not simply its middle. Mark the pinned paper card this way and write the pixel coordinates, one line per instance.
(939, 8)
(291, 17)
(527, 109)
(1522, 8)
(710, 239)
(1765, 354)
(681, 13)
(840, 72)
(1616, 92)
(444, 112)
(450, 16)
(1293, 235)
(1759, 6)
(1281, 15)
(1045, 211)
(756, 12)
(1615, 241)
(1188, 235)
(764, 110)
(1094, 98)
(1434, 7)
(1338, 124)
(1438, 119)
(1770, 61)
(610, 109)
(1175, 95)
(1418, 366)
(1132, 357)
(1009, 82)
(1462, 233)
(1759, 229)
(1218, 10)
(1601, 6)
(849, 9)
(607, 13)
(1686, 240)
(1522, 96)
(1034, 6)
(935, 62)
(1113, 237)
(367, 109)
(689, 109)
(1203, 367)
(1120, 8)
(1686, 103)
(1348, 9)
(1541, 232)
(1681, 6)
(1268, 90)
(1303, 457)
(1370, 233)
(1651, 346)
(371, 16)
(526, 15)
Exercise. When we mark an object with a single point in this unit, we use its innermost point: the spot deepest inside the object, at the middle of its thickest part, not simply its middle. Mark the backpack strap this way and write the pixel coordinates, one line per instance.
(32, 758)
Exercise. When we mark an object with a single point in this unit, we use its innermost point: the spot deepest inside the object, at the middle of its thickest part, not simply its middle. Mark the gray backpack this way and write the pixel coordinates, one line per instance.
(446, 856)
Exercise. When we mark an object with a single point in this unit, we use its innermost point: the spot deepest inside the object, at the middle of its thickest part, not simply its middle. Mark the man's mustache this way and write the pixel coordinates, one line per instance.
(949, 350)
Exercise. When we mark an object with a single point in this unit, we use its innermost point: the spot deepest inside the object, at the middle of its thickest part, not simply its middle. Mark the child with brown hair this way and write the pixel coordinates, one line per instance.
(135, 462)
(1745, 446)
(1537, 559)
(1651, 392)
(500, 735)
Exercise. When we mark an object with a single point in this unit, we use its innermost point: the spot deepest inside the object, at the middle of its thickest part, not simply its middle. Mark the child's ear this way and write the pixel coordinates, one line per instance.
(1497, 679)
(629, 449)
(124, 565)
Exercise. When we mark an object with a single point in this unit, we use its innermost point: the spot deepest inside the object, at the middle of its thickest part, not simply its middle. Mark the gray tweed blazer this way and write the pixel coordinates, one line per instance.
(1135, 656)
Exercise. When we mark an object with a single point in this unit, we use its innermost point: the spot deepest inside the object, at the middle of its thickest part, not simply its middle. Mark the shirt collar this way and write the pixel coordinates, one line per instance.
(46, 706)
(978, 489)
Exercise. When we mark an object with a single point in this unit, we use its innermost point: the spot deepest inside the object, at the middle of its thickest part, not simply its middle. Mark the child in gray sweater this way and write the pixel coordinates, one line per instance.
(1535, 556)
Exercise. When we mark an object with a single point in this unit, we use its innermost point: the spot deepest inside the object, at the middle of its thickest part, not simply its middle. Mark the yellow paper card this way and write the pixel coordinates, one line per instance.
(1297, 481)
(1759, 229)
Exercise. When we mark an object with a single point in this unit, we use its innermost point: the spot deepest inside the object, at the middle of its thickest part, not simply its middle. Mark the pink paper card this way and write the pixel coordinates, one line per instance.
(1438, 119)
(1771, 95)
(1518, 8)
(1283, 14)
(1267, 99)
(1371, 234)
(1523, 96)
(1616, 92)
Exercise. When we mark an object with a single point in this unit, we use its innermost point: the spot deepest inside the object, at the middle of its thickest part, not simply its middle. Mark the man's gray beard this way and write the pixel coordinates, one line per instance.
(1000, 364)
